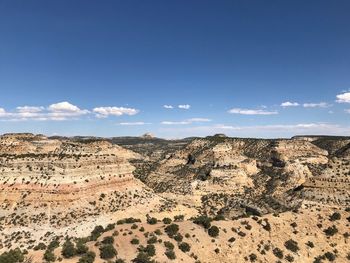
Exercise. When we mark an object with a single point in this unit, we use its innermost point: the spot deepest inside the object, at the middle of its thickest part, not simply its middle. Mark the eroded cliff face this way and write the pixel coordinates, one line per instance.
(54, 187)
(64, 186)
(231, 175)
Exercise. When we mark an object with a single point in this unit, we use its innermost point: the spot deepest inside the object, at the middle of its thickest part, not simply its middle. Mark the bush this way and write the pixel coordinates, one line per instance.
(330, 256)
(203, 221)
(152, 240)
(278, 252)
(178, 237)
(81, 248)
(172, 230)
(107, 252)
(108, 240)
(331, 231)
(135, 241)
(152, 220)
(68, 249)
(289, 258)
(170, 254)
(150, 250)
(12, 256)
(49, 256)
(96, 233)
(213, 231)
(335, 216)
(40, 246)
(310, 244)
(142, 257)
(184, 247)
(232, 239)
(167, 220)
(253, 257)
(291, 245)
(53, 244)
(89, 257)
(169, 245)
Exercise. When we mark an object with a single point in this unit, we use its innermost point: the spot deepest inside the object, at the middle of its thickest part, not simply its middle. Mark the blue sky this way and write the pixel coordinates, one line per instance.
(108, 68)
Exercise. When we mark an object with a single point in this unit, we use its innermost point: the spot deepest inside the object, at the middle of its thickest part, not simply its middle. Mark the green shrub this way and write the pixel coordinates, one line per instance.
(331, 231)
(135, 241)
(107, 252)
(12, 256)
(142, 257)
(152, 220)
(167, 220)
(68, 249)
(278, 252)
(184, 247)
(89, 257)
(310, 244)
(172, 230)
(49, 256)
(170, 254)
(253, 257)
(108, 240)
(335, 216)
(40, 246)
(152, 240)
(81, 248)
(292, 245)
(213, 231)
(169, 245)
(178, 237)
(203, 221)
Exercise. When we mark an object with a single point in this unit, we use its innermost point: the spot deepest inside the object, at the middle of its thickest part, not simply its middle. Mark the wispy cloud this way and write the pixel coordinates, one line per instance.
(175, 122)
(317, 105)
(268, 131)
(168, 106)
(251, 112)
(343, 98)
(185, 122)
(289, 104)
(184, 106)
(136, 123)
(104, 112)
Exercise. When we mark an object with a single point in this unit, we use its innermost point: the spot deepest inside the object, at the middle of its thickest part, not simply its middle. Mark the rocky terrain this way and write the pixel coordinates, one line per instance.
(145, 199)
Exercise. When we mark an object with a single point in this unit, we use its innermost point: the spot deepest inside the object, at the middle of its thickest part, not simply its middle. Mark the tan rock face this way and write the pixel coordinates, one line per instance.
(65, 183)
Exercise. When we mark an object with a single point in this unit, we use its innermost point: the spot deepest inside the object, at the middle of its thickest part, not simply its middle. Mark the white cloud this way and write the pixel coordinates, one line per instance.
(184, 106)
(289, 104)
(343, 98)
(57, 112)
(251, 112)
(267, 131)
(104, 112)
(185, 122)
(317, 105)
(63, 107)
(347, 110)
(32, 109)
(136, 123)
(199, 120)
(168, 106)
(2, 112)
(175, 122)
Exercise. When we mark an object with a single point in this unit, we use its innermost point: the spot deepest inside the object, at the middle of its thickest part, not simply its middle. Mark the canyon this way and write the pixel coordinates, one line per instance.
(262, 195)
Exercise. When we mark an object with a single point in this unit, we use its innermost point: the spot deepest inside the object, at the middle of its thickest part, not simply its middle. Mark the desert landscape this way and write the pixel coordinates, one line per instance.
(174, 131)
(145, 199)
